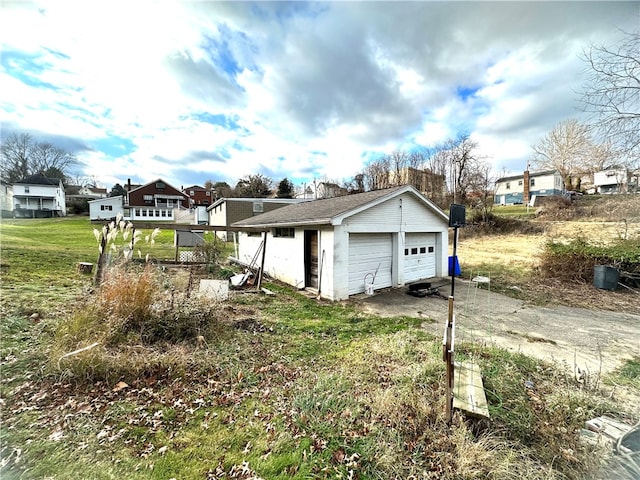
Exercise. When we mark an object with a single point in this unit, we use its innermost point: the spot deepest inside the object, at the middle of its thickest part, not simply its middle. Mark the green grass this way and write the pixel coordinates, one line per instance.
(321, 391)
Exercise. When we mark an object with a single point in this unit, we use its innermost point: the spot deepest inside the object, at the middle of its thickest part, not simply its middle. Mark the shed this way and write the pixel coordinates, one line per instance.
(336, 246)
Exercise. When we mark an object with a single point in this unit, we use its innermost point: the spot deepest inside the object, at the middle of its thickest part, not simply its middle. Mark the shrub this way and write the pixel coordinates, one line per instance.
(574, 261)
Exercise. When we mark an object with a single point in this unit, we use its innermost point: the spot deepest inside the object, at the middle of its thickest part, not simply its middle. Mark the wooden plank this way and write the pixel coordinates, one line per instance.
(468, 390)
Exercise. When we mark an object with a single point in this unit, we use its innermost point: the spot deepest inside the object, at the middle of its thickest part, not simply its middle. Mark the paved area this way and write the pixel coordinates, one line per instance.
(587, 340)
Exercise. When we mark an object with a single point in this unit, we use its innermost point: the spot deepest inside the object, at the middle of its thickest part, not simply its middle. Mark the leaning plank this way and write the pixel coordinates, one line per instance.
(468, 390)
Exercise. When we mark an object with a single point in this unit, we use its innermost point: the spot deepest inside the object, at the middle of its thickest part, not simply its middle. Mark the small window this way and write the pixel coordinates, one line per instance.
(519, 183)
(533, 182)
(423, 249)
(254, 234)
(26, 189)
(192, 192)
(137, 212)
(508, 185)
(102, 207)
(406, 251)
(144, 212)
(160, 185)
(208, 194)
(414, 251)
(157, 213)
(284, 232)
(430, 249)
(258, 207)
(164, 213)
(148, 198)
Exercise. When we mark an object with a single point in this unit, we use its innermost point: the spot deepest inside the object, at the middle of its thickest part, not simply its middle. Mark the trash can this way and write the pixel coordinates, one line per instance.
(454, 264)
(605, 277)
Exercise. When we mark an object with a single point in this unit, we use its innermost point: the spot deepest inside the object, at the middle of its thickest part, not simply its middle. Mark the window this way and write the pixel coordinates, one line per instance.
(106, 207)
(406, 251)
(414, 251)
(533, 182)
(164, 213)
(157, 213)
(208, 194)
(148, 198)
(519, 183)
(137, 212)
(192, 192)
(430, 249)
(508, 185)
(284, 232)
(258, 207)
(144, 212)
(254, 234)
(26, 189)
(423, 249)
(160, 185)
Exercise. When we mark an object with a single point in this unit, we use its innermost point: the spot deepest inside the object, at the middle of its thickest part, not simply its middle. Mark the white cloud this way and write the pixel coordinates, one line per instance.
(314, 87)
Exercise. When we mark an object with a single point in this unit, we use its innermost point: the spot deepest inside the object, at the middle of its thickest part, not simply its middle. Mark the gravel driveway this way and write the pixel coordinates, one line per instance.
(590, 340)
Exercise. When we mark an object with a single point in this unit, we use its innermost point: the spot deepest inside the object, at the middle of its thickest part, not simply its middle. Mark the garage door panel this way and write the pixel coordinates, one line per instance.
(419, 256)
(369, 255)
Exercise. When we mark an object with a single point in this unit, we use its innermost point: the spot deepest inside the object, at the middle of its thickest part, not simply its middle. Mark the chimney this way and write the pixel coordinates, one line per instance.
(128, 184)
(525, 194)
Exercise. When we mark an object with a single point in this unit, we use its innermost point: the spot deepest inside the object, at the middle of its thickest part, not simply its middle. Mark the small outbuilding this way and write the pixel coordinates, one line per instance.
(347, 245)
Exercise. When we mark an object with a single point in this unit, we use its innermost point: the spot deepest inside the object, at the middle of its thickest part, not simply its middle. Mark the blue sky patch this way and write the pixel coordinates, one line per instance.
(114, 146)
(466, 93)
(220, 119)
(26, 68)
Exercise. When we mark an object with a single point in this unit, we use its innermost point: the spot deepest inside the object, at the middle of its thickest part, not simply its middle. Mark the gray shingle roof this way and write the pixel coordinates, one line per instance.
(317, 212)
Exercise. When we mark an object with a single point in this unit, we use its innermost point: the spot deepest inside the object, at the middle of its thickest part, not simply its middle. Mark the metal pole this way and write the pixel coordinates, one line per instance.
(453, 259)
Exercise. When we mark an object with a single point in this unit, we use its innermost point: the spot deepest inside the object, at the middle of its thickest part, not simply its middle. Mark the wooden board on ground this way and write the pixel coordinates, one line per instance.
(468, 390)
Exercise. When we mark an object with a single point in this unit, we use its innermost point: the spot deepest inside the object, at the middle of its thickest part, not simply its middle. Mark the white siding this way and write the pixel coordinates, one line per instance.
(106, 208)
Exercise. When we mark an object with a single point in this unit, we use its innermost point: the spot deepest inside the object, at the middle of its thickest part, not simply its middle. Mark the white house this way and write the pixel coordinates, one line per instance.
(336, 246)
(615, 180)
(107, 208)
(511, 190)
(6, 198)
(39, 196)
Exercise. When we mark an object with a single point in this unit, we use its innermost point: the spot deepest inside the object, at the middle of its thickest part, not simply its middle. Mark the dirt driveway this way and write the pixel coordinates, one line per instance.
(591, 340)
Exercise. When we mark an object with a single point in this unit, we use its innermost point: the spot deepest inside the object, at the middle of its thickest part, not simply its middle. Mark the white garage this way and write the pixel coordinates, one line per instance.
(336, 246)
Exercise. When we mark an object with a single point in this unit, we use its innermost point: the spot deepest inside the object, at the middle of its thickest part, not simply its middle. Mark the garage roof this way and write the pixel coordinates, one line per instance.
(329, 211)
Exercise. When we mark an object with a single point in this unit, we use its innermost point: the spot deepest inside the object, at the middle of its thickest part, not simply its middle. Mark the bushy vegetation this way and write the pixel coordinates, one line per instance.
(493, 224)
(575, 260)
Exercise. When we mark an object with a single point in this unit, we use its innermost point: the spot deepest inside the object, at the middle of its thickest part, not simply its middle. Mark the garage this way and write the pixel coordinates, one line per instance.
(370, 254)
(419, 256)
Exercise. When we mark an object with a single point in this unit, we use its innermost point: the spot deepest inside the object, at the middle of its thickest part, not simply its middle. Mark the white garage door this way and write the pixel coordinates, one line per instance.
(369, 254)
(419, 256)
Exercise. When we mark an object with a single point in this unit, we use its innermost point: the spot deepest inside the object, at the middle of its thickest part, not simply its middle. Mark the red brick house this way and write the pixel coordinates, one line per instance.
(199, 196)
(155, 200)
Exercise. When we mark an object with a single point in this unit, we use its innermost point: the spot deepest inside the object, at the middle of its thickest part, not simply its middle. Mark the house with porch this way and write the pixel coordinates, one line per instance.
(38, 196)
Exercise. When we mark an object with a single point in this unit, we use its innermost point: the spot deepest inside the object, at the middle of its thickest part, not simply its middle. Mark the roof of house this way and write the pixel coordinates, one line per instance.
(39, 179)
(264, 200)
(324, 211)
(159, 180)
(540, 173)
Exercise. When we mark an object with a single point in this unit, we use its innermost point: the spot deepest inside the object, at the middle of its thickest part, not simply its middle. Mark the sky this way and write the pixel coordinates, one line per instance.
(191, 91)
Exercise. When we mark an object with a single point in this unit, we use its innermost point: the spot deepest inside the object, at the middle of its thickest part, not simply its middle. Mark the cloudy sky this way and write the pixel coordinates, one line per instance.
(196, 90)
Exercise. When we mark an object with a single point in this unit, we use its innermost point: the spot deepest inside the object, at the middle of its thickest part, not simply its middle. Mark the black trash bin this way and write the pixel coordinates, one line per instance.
(605, 277)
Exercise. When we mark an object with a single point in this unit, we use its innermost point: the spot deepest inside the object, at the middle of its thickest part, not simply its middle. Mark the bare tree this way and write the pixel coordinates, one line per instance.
(16, 152)
(23, 156)
(566, 148)
(612, 92)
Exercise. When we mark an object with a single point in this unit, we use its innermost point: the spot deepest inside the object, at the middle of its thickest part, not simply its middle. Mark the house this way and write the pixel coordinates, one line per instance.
(345, 245)
(199, 196)
(424, 180)
(615, 180)
(77, 196)
(227, 211)
(157, 201)
(6, 198)
(521, 188)
(38, 196)
(107, 208)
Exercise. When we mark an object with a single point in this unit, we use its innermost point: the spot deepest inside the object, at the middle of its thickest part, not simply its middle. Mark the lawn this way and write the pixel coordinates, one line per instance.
(259, 386)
